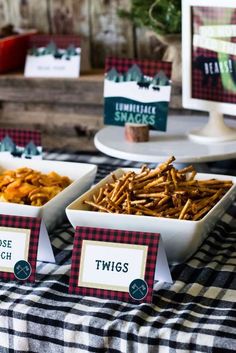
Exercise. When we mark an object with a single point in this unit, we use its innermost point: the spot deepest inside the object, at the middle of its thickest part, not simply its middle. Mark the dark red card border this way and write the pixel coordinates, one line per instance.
(28, 223)
(115, 236)
(61, 40)
(22, 137)
(148, 67)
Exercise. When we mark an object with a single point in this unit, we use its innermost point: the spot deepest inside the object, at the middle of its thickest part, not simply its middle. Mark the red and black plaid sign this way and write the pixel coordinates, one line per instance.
(21, 137)
(33, 224)
(211, 87)
(149, 68)
(113, 236)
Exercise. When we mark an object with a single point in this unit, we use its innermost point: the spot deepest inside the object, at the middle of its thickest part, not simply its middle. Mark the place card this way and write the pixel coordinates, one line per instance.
(23, 241)
(20, 143)
(53, 56)
(137, 92)
(116, 264)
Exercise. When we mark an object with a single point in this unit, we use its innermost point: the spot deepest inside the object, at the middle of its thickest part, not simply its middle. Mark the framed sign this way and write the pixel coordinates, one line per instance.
(209, 60)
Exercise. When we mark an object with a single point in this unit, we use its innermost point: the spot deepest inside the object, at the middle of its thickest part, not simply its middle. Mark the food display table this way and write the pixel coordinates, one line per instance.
(194, 314)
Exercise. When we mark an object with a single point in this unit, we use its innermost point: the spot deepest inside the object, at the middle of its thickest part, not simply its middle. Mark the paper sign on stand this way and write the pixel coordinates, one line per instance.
(137, 92)
(117, 264)
(23, 241)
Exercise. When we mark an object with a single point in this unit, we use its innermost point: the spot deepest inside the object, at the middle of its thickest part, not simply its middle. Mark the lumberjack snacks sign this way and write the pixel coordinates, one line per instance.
(214, 53)
(137, 92)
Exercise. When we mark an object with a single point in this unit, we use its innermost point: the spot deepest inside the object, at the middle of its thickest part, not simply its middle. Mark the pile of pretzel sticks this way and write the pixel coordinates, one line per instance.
(161, 192)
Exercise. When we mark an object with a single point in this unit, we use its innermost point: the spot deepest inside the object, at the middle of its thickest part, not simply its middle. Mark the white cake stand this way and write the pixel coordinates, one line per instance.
(175, 141)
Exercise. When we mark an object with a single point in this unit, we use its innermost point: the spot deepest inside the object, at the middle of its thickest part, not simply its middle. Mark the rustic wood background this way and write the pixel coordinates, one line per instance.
(69, 112)
(102, 31)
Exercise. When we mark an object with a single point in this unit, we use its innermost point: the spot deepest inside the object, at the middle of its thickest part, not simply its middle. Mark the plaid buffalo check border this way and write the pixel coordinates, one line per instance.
(62, 41)
(25, 223)
(148, 67)
(204, 15)
(114, 236)
(22, 137)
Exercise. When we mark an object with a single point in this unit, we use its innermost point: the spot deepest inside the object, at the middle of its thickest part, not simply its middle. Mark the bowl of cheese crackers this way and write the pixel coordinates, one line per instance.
(40, 188)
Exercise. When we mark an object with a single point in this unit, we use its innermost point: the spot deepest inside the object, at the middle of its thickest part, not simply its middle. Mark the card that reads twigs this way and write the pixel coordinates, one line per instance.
(19, 237)
(137, 92)
(20, 143)
(53, 56)
(114, 264)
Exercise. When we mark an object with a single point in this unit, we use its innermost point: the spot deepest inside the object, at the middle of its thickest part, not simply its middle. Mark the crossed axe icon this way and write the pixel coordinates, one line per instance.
(141, 289)
(24, 269)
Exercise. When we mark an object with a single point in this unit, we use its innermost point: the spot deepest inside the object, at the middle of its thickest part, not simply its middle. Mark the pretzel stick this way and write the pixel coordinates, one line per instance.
(201, 213)
(185, 208)
(102, 208)
(128, 202)
(156, 182)
(192, 176)
(209, 200)
(152, 203)
(136, 202)
(215, 181)
(161, 168)
(113, 177)
(100, 195)
(146, 211)
(164, 200)
(120, 200)
(142, 174)
(122, 187)
(157, 194)
(186, 170)
(113, 204)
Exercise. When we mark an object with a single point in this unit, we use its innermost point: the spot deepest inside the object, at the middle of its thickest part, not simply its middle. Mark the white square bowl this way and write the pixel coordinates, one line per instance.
(181, 237)
(52, 212)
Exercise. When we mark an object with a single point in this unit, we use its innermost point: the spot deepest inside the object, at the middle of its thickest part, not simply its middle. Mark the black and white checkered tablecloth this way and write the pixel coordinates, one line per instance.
(195, 314)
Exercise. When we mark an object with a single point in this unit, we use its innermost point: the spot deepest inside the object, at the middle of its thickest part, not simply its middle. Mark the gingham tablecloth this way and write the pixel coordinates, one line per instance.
(195, 314)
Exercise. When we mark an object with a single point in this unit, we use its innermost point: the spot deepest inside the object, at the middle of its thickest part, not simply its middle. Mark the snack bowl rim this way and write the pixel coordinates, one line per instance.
(190, 231)
(79, 183)
(102, 182)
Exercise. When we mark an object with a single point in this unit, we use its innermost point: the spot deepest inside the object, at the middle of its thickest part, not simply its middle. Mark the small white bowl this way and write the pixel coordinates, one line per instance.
(52, 212)
(181, 237)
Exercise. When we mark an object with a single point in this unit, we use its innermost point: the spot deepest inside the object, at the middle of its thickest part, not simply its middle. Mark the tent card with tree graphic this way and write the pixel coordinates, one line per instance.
(53, 56)
(137, 92)
(23, 241)
(214, 53)
(20, 143)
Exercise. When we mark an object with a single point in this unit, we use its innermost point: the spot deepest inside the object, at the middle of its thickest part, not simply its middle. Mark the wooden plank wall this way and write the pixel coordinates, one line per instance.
(103, 33)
